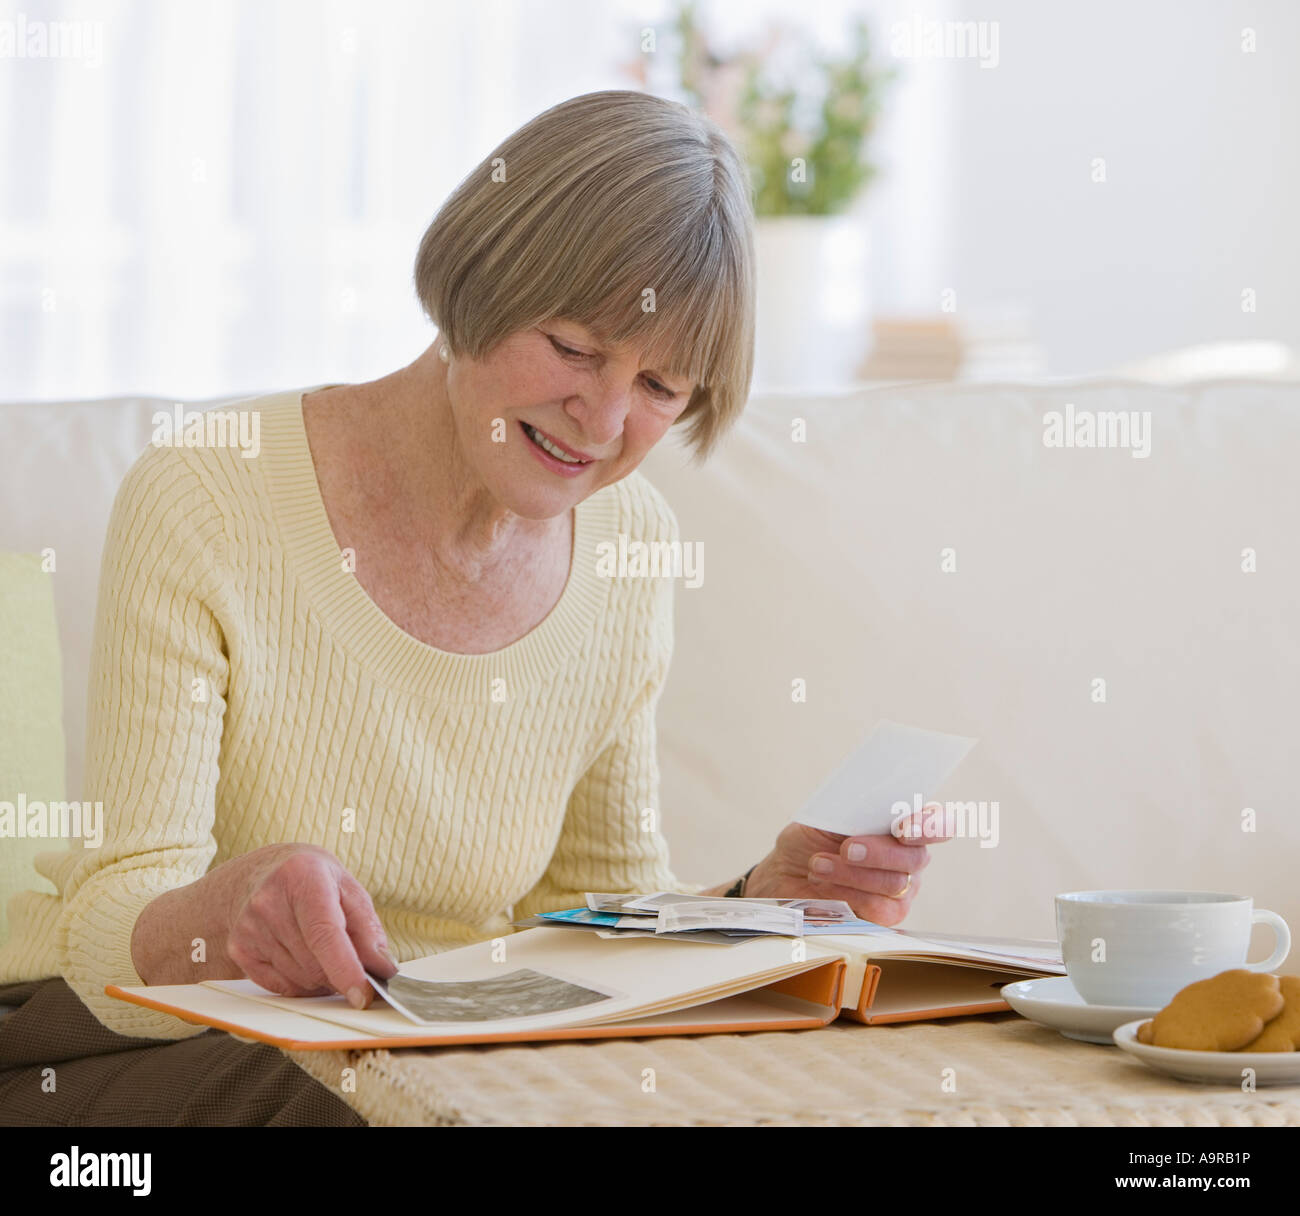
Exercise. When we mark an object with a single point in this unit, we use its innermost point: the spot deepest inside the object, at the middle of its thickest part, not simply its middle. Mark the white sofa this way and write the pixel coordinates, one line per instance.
(824, 563)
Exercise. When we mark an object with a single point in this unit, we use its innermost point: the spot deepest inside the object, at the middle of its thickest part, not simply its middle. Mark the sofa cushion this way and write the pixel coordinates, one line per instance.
(84, 448)
(31, 724)
(824, 562)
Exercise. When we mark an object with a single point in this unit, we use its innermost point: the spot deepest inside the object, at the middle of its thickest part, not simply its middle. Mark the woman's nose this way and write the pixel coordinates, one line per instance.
(600, 410)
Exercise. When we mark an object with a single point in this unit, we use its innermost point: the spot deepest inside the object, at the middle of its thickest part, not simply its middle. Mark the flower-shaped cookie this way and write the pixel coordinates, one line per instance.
(1223, 1013)
(1283, 1032)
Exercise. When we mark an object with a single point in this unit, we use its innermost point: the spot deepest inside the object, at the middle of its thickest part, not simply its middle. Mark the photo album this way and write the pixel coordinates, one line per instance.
(663, 963)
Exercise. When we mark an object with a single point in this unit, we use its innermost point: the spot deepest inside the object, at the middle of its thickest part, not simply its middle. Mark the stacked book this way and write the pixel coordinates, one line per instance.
(985, 347)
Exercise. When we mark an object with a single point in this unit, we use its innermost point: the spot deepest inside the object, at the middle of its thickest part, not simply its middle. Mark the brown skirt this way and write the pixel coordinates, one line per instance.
(97, 1078)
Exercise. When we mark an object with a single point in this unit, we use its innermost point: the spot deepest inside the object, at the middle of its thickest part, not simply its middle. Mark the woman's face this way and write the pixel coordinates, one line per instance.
(559, 385)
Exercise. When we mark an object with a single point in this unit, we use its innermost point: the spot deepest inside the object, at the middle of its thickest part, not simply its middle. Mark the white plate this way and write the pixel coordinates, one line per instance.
(1222, 1067)
(1054, 1003)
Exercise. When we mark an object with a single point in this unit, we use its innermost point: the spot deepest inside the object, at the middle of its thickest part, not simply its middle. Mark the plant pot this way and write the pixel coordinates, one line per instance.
(813, 300)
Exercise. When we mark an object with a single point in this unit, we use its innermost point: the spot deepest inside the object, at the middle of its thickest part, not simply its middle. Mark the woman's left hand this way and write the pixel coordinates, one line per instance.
(877, 876)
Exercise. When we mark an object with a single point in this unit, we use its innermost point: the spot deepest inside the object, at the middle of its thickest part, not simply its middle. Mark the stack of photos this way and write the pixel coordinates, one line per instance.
(705, 918)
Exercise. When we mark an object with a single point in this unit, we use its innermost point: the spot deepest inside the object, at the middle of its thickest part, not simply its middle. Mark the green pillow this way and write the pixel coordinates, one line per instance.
(31, 718)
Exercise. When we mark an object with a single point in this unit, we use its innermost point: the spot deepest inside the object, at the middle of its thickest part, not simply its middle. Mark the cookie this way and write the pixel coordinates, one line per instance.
(1283, 1032)
(1223, 1013)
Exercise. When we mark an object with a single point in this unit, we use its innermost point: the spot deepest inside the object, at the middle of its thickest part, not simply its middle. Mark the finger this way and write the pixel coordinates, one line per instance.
(252, 943)
(257, 938)
(271, 933)
(318, 910)
(928, 826)
(365, 928)
(864, 879)
(880, 909)
(281, 944)
(821, 838)
(883, 853)
(258, 969)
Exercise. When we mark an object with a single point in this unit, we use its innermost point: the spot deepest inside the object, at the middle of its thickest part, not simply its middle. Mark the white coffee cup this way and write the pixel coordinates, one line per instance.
(1137, 948)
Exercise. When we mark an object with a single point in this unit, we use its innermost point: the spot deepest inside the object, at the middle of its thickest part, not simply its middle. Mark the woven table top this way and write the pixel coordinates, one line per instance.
(1005, 1071)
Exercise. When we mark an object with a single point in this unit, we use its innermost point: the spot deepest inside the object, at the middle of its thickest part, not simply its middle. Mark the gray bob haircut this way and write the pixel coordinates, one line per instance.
(626, 212)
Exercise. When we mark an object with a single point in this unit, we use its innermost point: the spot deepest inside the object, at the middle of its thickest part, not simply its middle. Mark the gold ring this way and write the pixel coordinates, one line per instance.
(906, 888)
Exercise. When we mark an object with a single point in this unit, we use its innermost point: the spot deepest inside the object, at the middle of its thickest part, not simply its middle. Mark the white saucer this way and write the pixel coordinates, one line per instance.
(1054, 1003)
(1222, 1067)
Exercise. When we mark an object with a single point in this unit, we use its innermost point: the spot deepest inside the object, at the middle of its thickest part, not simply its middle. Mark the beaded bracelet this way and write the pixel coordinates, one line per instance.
(737, 888)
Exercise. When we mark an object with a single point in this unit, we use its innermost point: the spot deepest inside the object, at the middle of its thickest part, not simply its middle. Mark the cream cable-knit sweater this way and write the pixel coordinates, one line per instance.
(246, 690)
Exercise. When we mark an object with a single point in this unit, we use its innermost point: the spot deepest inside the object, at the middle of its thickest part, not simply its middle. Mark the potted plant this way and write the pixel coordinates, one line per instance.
(802, 120)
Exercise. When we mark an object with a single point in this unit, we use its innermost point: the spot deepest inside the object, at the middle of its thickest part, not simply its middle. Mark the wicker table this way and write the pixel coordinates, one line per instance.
(992, 1071)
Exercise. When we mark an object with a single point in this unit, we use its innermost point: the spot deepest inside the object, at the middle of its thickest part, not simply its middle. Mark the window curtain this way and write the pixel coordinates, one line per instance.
(229, 196)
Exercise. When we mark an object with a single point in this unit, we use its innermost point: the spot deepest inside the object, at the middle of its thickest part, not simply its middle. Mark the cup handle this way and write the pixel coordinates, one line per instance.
(1281, 933)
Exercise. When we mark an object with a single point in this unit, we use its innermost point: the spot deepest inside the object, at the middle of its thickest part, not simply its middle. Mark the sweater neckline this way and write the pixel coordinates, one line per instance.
(373, 638)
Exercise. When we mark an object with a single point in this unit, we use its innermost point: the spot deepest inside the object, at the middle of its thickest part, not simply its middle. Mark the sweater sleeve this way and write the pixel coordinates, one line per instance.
(158, 681)
(611, 840)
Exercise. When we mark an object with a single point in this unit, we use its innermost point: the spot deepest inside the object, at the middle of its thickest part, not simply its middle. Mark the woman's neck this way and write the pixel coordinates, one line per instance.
(442, 498)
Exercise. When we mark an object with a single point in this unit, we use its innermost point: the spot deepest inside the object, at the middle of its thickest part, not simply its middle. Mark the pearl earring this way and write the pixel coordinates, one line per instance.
(444, 354)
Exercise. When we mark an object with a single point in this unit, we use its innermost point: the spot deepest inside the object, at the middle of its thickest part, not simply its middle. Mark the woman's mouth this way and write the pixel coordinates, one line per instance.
(552, 453)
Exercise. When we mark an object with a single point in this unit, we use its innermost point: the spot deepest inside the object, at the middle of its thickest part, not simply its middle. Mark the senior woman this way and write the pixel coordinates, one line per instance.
(365, 696)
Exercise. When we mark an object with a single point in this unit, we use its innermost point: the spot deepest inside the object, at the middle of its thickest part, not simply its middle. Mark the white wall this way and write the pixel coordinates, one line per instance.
(985, 189)
(232, 196)
(1202, 159)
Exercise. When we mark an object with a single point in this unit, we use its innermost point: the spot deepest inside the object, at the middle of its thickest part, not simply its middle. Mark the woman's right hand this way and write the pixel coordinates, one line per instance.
(301, 925)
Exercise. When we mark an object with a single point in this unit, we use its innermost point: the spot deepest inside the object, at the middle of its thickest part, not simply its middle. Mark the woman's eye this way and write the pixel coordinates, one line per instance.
(661, 391)
(566, 350)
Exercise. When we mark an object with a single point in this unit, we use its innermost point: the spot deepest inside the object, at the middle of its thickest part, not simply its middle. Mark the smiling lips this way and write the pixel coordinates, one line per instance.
(555, 449)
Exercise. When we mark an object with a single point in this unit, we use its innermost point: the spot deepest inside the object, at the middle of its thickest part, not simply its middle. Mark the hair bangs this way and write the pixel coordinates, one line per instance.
(681, 303)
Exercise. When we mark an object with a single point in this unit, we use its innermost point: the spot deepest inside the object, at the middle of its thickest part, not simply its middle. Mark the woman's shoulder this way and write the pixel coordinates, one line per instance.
(644, 513)
(199, 485)
(210, 452)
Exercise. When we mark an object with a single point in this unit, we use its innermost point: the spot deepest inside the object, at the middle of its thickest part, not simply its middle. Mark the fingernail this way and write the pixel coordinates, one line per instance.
(382, 948)
(856, 852)
(356, 998)
(822, 865)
